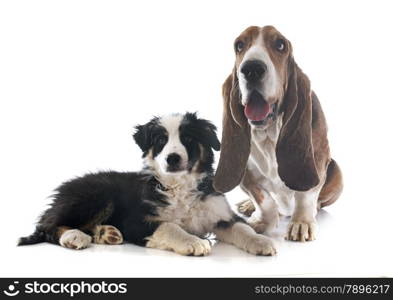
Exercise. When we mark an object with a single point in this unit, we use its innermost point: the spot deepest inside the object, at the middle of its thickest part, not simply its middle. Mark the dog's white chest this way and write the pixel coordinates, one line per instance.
(263, 164)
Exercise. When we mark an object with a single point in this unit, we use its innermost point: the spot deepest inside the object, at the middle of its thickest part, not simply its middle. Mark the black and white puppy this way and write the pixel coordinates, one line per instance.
(171, 204)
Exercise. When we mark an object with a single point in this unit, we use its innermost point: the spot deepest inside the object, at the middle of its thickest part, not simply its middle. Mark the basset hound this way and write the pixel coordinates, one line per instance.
(274, 141)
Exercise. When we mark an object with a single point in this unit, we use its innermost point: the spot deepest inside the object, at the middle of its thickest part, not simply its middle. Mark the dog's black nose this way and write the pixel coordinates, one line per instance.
(173, 159)
(253, 70)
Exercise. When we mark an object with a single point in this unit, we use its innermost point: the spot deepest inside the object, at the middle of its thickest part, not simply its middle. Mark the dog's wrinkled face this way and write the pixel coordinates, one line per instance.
(177, 144)
(261, 68)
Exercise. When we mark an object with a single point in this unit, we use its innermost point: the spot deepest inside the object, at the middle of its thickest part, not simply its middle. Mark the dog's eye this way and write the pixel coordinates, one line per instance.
(239, 45)
(280, 45)
(162, 140)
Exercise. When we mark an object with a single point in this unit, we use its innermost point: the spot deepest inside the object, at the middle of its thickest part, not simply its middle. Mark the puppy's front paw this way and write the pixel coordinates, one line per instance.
(107, 234)
(194, 246)
(260, 245)
(301, 231)
(75, 239)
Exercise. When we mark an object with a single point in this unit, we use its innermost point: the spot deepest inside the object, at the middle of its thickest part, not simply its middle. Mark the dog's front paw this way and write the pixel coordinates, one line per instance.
(260, 245)
(193, 246)
(75, 239)
(107, 234)
(301, 231)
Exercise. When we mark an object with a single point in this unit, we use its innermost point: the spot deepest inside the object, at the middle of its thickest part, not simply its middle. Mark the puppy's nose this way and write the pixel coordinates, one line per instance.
(253, 70)
(173, 159)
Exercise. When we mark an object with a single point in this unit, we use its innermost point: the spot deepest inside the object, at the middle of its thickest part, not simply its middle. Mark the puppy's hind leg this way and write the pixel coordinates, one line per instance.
(244, 237)
(107, 234)
(73, 238)
(78, 239)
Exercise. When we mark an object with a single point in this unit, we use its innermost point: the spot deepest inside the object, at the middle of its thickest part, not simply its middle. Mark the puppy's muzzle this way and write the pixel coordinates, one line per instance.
(174, 162)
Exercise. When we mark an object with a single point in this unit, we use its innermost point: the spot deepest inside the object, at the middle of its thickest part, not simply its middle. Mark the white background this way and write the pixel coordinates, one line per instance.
(76, 76)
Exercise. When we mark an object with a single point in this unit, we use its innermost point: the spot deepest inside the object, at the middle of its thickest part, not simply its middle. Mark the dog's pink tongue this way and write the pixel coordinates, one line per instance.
(256, 109)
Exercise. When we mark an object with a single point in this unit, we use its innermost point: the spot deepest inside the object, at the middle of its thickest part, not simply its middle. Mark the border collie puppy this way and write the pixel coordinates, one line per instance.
(170, 204)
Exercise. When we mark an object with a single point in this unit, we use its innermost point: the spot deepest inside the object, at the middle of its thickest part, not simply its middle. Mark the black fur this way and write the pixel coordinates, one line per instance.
(150, 135)
(227, 224)
(79, 201)
(194, 131)
(119, 199)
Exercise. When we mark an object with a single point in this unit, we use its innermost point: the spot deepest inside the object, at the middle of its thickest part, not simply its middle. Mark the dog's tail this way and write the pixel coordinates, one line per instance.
(38, 236)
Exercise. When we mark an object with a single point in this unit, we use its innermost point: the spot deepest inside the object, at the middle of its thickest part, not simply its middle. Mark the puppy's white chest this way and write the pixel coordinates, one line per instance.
(195, 215)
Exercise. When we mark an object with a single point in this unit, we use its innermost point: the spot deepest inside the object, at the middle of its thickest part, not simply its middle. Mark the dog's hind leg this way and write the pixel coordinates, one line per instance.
(73, 238)
(61, 235)
(246, 207)
(333, 186)
(107, 234)
(81, 238)
(91, 232)
(264, 211)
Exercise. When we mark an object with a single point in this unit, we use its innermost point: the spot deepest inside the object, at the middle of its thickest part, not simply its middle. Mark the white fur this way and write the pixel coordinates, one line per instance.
(263, 166)
(170, 236)
(188, 218)
(243, 236)
(270, 82)
(187, 210)
(278, 198)
(75, 239)
(172, 123)
(303, 226)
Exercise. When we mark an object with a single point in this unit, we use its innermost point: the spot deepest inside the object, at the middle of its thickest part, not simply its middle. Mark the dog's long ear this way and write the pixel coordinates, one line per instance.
(236, 139)
(295, 154)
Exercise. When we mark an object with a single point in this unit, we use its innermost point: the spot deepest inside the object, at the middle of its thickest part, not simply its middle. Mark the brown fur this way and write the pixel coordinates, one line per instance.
(302, 150)
(101, 234)
(99, 218)
(235, 142)
(249, 185)
(295, 146)
(330, 192)
(107, 234)
(61, 230)
(333, 185)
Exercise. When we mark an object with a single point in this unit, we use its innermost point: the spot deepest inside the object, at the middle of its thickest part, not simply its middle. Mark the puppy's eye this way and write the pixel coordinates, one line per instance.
(162, 140)
(239, 46)
(280, 45)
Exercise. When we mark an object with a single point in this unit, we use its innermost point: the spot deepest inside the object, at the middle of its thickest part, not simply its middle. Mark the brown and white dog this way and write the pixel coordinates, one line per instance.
(274, 140)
